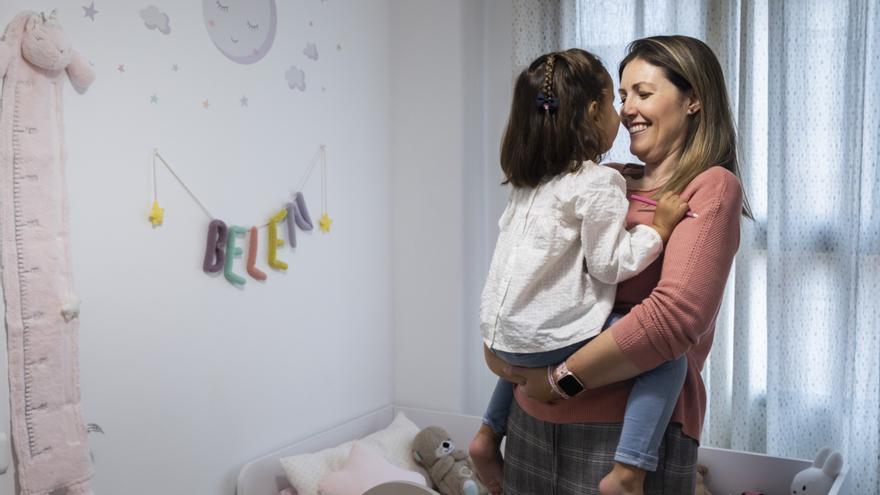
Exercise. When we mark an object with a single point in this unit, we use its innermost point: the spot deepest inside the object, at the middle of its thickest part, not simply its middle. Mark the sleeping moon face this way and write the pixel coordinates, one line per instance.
(243, 30)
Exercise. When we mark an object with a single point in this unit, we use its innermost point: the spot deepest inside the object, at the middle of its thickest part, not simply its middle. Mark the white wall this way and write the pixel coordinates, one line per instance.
(188, 376)
(452, 82)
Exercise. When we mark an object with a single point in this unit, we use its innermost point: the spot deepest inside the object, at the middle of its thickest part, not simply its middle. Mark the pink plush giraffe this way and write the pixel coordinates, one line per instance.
(48, 433)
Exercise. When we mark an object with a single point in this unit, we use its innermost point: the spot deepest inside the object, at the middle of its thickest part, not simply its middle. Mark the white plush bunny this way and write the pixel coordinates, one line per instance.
(818, 478)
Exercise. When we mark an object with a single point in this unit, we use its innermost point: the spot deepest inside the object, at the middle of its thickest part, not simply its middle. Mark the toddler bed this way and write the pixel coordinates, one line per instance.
(730, 472)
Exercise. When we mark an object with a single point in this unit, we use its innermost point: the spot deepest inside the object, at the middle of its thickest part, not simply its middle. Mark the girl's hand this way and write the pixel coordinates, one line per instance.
(670, 210)
(536, 385)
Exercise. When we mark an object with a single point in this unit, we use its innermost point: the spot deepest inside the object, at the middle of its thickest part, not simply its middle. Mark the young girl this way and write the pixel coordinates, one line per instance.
(562, 249)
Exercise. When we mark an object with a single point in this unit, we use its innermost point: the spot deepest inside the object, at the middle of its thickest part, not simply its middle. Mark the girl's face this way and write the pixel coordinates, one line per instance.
(654, 111)
(607, 118)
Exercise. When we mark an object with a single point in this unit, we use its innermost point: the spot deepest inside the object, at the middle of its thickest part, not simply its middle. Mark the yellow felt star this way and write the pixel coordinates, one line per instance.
(325, 222)
(156, 214)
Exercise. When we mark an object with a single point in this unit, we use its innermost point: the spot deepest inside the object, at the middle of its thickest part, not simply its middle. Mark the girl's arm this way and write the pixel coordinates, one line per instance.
(680, 309)
(613, 254)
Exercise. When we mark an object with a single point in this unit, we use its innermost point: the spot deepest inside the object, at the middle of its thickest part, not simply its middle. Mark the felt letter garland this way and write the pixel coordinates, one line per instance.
(297, 214)
(275, 242)
(252, 269)
(214, 255)
(220, 242)
(232, 252)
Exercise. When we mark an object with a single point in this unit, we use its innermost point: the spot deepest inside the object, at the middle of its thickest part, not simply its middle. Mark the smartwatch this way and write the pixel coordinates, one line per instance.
(567, 384)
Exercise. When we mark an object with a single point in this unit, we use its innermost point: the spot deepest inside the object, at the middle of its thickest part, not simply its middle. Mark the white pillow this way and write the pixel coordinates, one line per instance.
(364, 469)
(394, 443)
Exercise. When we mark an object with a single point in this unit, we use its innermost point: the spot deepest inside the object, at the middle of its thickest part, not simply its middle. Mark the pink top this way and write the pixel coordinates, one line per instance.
(674, 304)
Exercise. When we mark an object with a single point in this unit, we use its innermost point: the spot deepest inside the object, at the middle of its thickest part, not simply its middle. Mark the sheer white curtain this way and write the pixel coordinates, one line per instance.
(796, 359)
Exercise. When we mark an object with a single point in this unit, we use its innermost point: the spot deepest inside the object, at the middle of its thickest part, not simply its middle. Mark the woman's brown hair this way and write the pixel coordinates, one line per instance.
(550, 131)
(690, 65)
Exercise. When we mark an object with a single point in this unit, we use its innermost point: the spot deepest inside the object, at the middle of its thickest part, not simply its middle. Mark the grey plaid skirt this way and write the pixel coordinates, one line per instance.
(570, 459)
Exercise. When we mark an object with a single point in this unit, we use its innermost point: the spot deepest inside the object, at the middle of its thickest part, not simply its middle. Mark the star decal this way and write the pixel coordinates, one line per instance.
(154, 99)
(175, 68)
(120, 68)
(244, 101)
(157, 215)
(206, 104)
(325, 222)
(90, 11)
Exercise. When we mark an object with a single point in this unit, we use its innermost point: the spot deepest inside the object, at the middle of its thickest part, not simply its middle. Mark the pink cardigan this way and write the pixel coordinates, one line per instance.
(674, 304)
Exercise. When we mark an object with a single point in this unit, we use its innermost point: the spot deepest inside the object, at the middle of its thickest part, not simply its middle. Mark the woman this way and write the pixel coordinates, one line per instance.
(675, 107)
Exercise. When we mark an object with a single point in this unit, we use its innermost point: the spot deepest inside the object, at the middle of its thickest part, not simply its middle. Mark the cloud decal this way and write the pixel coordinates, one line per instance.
(155, 19)
(311, 51)
(296, 78)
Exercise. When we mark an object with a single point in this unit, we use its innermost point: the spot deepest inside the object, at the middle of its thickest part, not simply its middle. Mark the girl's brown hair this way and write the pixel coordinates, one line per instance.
(690, 65)
(549, 131)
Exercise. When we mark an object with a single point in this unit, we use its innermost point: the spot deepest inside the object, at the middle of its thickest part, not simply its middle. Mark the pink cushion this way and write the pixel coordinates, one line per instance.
(364, 469)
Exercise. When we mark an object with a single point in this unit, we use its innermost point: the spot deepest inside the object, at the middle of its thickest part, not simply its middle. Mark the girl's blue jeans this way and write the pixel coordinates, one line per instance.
(648, 409)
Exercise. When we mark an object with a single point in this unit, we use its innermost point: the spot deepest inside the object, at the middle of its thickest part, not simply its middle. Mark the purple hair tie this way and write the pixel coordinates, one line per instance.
(547, 102)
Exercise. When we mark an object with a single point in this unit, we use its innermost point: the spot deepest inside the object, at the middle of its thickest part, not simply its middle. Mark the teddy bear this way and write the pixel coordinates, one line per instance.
(450, 469)
(702, 473)
(818, 478)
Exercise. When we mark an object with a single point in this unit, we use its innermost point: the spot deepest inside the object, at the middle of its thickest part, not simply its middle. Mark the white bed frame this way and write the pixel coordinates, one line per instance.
(727, 468)
(264, 475)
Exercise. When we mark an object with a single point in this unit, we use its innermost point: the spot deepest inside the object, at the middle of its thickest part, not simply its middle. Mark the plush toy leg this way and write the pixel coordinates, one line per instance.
(83, 488)
(70, 309)
(81, 73)
(470, 488)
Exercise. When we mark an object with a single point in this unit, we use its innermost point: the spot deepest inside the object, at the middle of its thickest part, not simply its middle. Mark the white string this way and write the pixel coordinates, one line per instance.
(320, 156)
(194, 197)
(155, 194)
(323, 179)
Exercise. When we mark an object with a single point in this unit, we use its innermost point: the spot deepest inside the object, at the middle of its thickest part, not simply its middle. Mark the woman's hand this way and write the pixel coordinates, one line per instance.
(533, 380)
(536, 385)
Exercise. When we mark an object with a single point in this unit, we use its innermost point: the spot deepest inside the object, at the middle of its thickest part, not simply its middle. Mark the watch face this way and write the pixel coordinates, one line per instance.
(570, 385)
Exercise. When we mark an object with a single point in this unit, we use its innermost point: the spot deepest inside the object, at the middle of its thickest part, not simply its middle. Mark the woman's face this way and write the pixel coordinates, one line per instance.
(654, 111)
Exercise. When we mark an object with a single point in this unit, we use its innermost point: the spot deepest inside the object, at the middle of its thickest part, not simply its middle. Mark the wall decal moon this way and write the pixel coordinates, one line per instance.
(243, 30)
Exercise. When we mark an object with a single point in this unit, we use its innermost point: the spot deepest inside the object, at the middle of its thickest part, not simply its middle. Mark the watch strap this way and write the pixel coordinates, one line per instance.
(551, 377)
(561, 371)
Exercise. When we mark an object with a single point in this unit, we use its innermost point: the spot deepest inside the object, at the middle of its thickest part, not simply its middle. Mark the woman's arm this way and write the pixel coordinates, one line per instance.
(680, 309)
(601, 357)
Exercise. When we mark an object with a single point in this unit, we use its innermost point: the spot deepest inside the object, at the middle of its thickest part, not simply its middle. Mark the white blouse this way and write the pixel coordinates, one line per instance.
(562, 249)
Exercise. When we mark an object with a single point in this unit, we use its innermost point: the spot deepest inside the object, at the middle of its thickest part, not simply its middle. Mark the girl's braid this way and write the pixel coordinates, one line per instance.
(548, 76)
